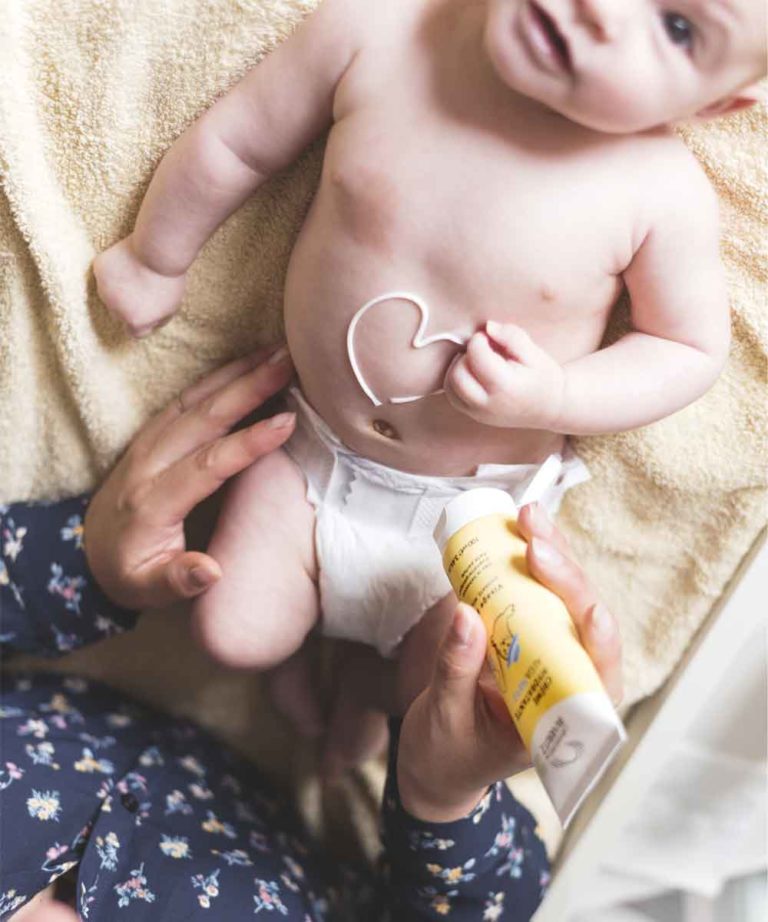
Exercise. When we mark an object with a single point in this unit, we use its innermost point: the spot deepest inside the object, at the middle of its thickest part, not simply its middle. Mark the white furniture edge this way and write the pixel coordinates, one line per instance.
(655, 726)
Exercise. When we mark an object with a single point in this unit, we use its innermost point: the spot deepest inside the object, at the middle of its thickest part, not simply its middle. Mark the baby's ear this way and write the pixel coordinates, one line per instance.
(742, 99)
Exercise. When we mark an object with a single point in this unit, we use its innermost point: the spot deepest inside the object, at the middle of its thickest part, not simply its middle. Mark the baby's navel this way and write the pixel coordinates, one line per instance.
(382, 427)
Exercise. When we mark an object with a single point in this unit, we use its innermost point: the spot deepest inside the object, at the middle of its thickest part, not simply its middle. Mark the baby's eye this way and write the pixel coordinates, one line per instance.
(679, 30)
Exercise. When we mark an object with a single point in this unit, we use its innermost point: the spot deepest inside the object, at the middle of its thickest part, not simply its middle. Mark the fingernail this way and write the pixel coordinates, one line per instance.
(278, 356)
(601, 623)
(545, 553)
(281, 421)
(461, 628)
(493, 327)
(200, 578)
(542, 524)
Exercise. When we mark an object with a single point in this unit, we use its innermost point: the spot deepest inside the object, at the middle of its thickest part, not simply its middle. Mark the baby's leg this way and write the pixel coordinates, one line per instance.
(261, 610)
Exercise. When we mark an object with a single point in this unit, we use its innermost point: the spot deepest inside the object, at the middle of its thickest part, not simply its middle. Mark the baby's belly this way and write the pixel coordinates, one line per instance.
(375, 373)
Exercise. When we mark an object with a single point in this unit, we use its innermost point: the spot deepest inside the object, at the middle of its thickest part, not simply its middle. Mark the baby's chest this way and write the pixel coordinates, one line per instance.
(470, 204)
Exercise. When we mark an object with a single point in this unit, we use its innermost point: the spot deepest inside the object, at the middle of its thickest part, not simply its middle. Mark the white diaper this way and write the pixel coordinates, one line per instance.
(380, 569)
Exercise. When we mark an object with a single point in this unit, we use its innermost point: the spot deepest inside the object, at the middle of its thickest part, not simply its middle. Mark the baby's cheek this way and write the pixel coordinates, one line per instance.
(630, 99)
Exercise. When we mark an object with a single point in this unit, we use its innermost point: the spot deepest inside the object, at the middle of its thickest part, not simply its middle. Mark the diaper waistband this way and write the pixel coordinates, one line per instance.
(339, 477)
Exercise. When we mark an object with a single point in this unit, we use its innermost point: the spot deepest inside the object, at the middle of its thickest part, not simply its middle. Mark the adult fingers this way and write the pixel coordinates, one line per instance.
(197, 392)
(534, 522)
(215, 414)
(598, 629)
(602, 640)
(216, 379)
(168, 580)
(219, 378)
(458, 665)
(564, 577)
(175, 492)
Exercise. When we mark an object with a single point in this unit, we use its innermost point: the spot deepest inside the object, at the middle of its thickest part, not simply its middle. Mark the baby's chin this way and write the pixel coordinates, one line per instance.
(599, 118)
(612, 123)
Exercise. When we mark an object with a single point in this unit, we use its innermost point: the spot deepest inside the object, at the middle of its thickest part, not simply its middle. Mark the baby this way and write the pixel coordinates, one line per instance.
(496, 173)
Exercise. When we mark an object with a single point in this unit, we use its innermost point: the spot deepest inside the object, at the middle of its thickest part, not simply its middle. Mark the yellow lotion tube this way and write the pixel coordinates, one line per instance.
(548, 681)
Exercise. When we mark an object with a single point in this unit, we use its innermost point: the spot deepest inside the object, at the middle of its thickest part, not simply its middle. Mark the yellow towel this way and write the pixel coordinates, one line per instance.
(92, 92)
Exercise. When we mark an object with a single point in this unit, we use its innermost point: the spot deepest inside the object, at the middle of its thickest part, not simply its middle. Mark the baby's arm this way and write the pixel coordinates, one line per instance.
(676, 350)
(680, 319)
(256, 129)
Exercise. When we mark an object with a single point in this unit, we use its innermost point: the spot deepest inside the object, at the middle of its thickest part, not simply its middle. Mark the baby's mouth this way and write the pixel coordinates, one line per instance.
(553, 36)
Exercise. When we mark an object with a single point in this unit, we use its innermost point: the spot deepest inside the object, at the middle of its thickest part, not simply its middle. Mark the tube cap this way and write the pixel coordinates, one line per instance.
(471, 505)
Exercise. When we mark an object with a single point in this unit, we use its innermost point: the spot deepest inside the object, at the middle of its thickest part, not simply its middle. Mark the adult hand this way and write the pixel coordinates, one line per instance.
(457, 737)
(134, 526)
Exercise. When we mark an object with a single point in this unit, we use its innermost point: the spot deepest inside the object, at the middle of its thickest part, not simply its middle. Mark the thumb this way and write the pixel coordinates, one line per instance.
(460, 658)
(183, 576)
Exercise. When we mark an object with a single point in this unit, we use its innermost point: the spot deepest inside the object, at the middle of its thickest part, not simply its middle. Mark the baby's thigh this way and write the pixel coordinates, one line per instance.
(266, 601)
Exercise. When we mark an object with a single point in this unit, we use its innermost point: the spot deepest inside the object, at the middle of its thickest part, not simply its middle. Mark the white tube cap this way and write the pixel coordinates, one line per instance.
(471, 505)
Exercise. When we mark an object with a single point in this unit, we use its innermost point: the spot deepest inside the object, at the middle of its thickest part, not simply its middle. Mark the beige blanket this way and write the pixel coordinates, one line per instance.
(92, 92)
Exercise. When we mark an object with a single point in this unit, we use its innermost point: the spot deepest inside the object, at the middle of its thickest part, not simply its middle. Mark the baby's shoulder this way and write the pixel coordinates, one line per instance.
(670, 182)
(669, 160)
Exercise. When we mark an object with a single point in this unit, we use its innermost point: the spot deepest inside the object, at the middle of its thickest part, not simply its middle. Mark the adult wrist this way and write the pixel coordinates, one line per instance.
(426, 803)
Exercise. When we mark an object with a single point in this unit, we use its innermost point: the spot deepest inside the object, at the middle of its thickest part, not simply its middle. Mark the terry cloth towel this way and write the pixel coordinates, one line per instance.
(92, 92)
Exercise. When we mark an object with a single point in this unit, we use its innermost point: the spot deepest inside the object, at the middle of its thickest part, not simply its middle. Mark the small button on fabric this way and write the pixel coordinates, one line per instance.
(129, 802)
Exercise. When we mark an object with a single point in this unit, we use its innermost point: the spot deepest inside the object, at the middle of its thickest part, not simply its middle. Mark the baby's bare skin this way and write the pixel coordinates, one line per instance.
(423, 190)
(453, 181)
(506, 161)
(442, 182)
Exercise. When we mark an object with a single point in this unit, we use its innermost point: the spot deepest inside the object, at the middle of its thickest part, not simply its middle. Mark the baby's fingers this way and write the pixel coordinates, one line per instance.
(513, 341)
(462, 388)
(489, 368)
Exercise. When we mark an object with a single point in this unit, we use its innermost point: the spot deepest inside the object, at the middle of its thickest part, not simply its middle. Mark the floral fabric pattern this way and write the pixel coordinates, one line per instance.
(160, 822)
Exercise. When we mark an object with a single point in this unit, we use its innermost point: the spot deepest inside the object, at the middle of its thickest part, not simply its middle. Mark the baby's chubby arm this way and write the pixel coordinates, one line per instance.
(673, 355)
(680, 318)
(260, 126)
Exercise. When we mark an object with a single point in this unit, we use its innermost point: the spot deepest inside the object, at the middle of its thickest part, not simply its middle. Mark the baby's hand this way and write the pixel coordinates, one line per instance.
(505, 379)
(139, 296)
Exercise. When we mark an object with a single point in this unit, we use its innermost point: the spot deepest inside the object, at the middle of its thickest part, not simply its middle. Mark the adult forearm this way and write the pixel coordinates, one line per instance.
(634, 382)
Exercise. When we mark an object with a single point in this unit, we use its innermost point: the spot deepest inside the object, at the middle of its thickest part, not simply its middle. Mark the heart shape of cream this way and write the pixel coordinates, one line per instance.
(419, 341)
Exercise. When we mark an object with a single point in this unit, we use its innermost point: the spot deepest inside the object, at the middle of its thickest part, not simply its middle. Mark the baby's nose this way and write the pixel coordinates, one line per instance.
(603, 18)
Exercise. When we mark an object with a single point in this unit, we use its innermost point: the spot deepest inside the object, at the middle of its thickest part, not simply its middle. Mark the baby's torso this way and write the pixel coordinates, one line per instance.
(482, 213)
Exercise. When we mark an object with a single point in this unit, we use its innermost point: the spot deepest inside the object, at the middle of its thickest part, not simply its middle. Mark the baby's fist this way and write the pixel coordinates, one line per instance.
(504, 379)
(141, 297)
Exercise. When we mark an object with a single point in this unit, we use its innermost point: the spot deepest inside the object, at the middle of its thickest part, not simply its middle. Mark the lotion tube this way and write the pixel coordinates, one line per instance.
(549, 684)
